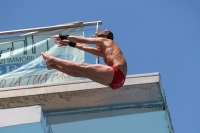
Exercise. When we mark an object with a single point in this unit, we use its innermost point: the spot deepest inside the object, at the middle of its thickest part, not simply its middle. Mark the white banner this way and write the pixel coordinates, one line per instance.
(21, 62)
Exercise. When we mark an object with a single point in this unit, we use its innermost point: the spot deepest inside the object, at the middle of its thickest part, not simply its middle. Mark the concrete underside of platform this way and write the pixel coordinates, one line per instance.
(84, 94)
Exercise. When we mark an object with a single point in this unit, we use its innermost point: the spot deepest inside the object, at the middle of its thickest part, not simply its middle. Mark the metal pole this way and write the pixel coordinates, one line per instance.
(97, 57)
(50, 28)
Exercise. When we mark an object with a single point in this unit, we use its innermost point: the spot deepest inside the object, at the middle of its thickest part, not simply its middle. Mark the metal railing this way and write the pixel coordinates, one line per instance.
(50, 28)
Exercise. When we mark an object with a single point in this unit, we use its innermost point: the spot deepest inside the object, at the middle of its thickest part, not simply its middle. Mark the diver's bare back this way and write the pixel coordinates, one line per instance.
(113, 56)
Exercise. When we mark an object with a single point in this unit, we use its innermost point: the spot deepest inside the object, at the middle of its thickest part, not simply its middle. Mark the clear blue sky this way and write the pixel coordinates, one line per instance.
(155, 36)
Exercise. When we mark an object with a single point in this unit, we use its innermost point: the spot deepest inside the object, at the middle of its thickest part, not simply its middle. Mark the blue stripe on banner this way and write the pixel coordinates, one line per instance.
(23, 66)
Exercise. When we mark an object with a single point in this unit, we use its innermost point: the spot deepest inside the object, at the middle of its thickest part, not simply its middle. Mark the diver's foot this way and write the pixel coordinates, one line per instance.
(48, 58)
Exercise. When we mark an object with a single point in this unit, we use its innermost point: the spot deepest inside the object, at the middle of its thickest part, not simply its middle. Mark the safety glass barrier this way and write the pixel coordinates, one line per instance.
(127, 120)
(21, 63)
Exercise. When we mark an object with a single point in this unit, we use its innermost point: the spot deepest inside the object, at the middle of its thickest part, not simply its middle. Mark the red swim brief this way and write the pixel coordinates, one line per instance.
(118, 79)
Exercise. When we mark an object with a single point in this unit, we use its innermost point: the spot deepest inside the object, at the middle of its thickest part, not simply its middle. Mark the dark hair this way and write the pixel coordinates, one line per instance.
(105, 33)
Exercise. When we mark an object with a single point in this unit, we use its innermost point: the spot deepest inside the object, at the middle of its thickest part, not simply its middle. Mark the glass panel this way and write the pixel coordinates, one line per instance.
(115, 121)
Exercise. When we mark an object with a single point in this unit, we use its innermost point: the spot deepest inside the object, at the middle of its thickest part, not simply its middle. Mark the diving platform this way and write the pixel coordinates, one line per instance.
(75, 102)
